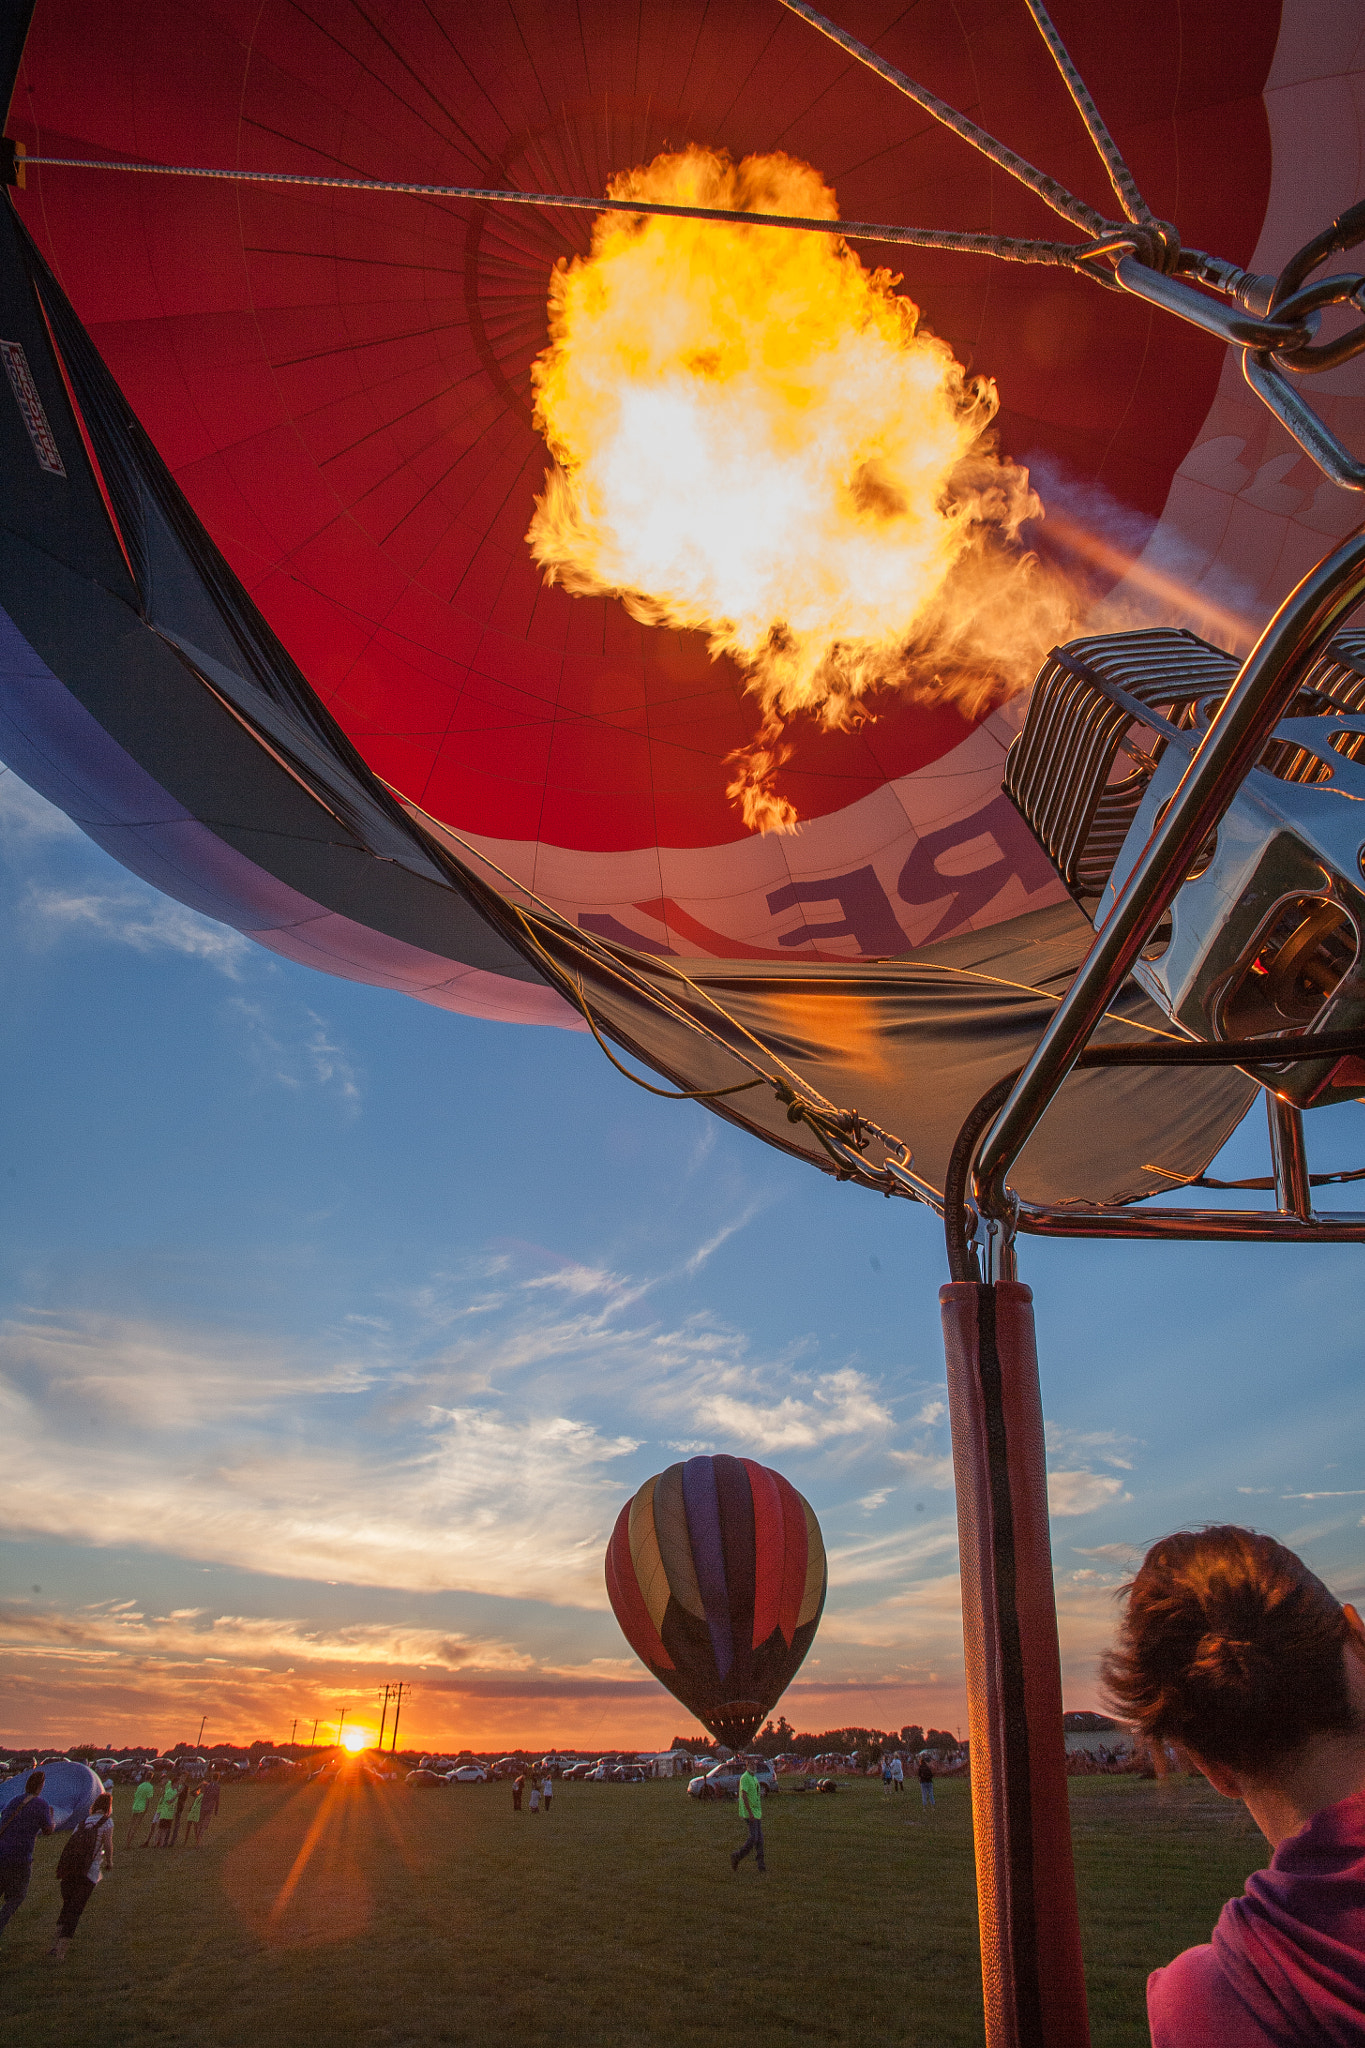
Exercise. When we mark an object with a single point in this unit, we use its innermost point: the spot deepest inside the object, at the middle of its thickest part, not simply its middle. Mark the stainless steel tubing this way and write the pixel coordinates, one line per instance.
(1258, 699)
(1229, 1226)
(1293, 1189)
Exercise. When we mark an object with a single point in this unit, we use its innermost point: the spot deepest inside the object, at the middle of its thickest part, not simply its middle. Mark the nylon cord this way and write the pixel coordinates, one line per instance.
(1050, 190)
(1008, 248)
(1120, 177)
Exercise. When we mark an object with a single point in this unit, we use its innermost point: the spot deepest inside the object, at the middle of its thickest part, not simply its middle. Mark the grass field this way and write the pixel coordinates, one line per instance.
(375, 1915)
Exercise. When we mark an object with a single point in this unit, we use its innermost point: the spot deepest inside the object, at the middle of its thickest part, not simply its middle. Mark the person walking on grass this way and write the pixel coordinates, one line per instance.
(182, 1801)
(926, 1782)
(547, 1790)
(165, 1814)
(26, 1819)
(85, 1857)
(897, 1775)
(535, 1797)
(751, 1813)
(518, 1787)
(209, 1796)
(142, 1799)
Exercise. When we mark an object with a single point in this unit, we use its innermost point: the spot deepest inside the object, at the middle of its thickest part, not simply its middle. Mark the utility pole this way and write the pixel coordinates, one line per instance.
(383, 1717)
(341, 1725)
(200, 1736)
(399, 1690)
(313, 1738)
(293, 1731)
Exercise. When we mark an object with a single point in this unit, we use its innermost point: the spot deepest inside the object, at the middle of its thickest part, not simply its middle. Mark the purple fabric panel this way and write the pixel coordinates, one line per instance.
(58, 749)
(334, 944)
(55, 745)
(735, 1499)
(708, 1555)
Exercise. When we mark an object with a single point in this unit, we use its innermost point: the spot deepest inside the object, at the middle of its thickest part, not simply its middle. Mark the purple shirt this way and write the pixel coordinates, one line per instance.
(27, 1819)
(1286, 1966)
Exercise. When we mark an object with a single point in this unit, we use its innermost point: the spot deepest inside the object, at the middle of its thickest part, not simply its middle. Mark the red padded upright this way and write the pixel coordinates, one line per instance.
(1026, 1887)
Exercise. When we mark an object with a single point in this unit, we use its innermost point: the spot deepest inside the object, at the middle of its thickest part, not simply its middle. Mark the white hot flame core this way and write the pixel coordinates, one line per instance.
(754, 437)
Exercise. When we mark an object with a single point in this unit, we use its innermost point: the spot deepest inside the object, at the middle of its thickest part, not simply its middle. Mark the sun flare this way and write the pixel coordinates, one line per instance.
(356, 1739)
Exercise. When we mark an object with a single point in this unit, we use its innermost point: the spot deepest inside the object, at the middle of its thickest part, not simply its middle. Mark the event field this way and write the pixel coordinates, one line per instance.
(368, 1914)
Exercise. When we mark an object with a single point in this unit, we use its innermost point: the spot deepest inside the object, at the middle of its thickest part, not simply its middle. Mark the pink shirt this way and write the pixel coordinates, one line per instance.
(1286, 1965)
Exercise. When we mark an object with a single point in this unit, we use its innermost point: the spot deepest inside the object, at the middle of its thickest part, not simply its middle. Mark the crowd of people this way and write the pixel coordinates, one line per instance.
(541, 1793)
(88, 1852)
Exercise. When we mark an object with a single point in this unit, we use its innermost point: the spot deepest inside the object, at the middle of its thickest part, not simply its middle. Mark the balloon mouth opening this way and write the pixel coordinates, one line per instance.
(736, 1721)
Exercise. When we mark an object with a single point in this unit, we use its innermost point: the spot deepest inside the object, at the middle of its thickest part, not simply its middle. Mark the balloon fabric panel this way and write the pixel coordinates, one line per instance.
(795, 1555)
(675, 1543)
(735, 1501)
(623, 1590)
(646, 1562)
(813, 1597)
(769, 1551)
(708, 1555)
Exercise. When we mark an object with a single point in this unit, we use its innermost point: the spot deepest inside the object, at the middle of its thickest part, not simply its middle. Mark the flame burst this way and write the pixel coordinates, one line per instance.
(754, 436)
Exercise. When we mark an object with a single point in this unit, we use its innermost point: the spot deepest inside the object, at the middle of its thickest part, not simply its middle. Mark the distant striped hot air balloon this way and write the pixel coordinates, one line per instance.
(716, 1573)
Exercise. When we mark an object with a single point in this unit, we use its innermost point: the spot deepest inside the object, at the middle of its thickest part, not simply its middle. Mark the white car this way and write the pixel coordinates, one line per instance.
(469, 1774)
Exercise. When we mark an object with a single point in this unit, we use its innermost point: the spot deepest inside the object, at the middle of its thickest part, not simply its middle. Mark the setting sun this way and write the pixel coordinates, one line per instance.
(355, 1739)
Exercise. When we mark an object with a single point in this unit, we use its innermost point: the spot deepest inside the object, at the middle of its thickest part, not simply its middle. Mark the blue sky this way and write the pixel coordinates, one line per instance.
(334, 1330)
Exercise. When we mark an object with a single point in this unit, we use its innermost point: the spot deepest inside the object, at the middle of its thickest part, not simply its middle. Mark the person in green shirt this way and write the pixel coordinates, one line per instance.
(142, 1799)
(165, 1813)
(751, 1813)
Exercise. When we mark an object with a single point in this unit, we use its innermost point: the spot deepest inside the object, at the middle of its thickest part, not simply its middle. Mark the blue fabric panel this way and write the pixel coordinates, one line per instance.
(708, 1555)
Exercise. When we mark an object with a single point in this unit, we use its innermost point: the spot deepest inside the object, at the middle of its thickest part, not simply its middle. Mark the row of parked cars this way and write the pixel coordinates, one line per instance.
(466, 1770)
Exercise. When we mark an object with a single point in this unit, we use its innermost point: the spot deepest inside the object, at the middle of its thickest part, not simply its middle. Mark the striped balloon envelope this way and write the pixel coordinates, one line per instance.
(716, 1573)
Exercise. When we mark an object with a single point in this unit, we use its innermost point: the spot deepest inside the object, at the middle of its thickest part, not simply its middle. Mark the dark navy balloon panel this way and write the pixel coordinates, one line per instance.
(716, 1573)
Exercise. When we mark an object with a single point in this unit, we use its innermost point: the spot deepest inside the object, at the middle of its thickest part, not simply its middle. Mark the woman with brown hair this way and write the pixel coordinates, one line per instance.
(1232, 1648)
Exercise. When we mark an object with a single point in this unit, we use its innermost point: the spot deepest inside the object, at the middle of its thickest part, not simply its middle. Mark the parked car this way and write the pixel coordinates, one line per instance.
(424, 1779)
(270, 1766)
(468, 1774)
(722, 1781)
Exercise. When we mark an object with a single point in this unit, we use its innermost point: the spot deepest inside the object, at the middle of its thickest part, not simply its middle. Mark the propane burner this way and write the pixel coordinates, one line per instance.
(1264, 936)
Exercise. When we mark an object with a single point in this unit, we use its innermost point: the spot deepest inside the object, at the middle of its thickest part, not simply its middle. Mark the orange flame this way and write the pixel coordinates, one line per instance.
(754, 436)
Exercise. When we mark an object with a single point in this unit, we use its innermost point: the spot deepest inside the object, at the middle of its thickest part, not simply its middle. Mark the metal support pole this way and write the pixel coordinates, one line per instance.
(1258, 699)
(1293, 1190)
(1031, 1969)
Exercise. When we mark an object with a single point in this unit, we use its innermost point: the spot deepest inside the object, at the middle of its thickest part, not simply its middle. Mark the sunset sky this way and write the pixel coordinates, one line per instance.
(334, 1331)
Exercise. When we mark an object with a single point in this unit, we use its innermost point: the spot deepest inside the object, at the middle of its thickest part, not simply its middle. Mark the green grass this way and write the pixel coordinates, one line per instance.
(442, 1917)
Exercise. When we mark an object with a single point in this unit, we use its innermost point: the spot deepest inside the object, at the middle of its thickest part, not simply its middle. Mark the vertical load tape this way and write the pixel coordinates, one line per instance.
(1030, 1934)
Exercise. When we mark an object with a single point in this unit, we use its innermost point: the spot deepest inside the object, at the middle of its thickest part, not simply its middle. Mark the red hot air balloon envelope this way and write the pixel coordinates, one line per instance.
(271, 631)
(716, 1573)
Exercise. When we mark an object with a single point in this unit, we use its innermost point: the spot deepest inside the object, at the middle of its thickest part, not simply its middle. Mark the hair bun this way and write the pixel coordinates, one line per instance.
(1231, 1662)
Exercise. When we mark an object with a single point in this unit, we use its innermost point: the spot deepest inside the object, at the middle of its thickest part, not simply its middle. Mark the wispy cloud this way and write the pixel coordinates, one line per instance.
(27, 818)
(1105, 1446)
(140, 918)
(1080, 1493)
(293, 1047)
(714, 1243)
